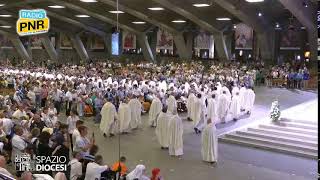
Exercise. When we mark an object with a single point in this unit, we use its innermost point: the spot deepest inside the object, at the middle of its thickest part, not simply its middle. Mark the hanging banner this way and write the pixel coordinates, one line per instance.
(290, 38)
(97, 42)
(164, 40)
(35, 42)
(65, 42)
(5, 42)
(203, 41)
(243, 36)
(128, 40)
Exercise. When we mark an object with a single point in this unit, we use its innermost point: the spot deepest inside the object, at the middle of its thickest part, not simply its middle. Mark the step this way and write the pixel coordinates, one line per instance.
(288, 139)
(274, 142)
(270, 147)
(297, 125)
(289, 129)
(315, 123)
(284, 133)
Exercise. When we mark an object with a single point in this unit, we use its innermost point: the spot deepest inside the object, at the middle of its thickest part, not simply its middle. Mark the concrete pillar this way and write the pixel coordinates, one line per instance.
(266, 44)
(107, 43)
(221, 47)
(181, 46)
(49, 47)
(313, 44)
(153, 44)
(189, 42)
(28, 47)
(229, 39)
(16, 42)
(145, 47)
(79, 47)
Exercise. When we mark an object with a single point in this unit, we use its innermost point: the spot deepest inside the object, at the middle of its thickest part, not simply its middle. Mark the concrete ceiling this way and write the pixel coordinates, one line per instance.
(137, 10)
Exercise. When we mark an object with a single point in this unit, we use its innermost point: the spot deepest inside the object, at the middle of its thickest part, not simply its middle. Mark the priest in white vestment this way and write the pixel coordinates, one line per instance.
(190, 105)
(162, 129)
(223, 107)
(199, 114)
(235, 107)
(242, 92)
(124, 115)
(171, 104)
(235, 90)
(224, 88)
(136, 109)
(212, 108)
(108, 118)
(176, 135)
(155, 109)
(209, 143)
(249, 97)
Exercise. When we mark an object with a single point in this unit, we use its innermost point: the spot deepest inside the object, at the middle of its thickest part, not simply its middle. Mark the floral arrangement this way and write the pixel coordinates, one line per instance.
(275, 111)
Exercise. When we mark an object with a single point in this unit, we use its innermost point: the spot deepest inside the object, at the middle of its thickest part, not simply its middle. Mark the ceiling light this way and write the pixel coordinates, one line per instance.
(56, 7)
(5, 15)
(2, 5)
(200, 5)
(156, 9)
(138, 22)
(234, 26)
(277, 25)
(7, 27)
(259, 14)
(88, 1)
(303, 27)
(254, 1)
(178, 21)
(82, 16)
(223, 19)
(116, 12)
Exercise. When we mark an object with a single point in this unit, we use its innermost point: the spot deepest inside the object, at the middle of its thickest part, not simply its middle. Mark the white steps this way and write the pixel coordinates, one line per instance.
(287, 136)
(297, 125)
(271, 147)
(289, 129)
(280, 139)
(284, 133)
(300, 121)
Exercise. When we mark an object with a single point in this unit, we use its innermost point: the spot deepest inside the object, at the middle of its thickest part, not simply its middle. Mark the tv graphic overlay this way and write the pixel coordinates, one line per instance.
(32, 22)
(27, 162)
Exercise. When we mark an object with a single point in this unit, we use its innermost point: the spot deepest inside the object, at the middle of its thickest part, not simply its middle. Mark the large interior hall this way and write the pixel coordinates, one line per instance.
(159, 89)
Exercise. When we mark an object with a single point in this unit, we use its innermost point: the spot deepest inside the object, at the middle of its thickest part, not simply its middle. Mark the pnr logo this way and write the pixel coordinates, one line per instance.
(32, 22)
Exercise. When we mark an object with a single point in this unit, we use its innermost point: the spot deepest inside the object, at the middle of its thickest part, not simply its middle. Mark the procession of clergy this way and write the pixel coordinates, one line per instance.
(208, 102)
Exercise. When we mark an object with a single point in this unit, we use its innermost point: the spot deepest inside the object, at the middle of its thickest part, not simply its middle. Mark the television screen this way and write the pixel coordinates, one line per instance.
(115, 44)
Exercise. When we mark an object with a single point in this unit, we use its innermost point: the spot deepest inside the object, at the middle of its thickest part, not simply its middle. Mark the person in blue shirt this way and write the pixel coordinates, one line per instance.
(290, 79)
(299, 78)
(306, 77)
(295, 79)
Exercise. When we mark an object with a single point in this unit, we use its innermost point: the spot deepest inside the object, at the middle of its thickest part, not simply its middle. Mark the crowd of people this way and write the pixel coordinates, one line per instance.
(289, 76)
(43, 114)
